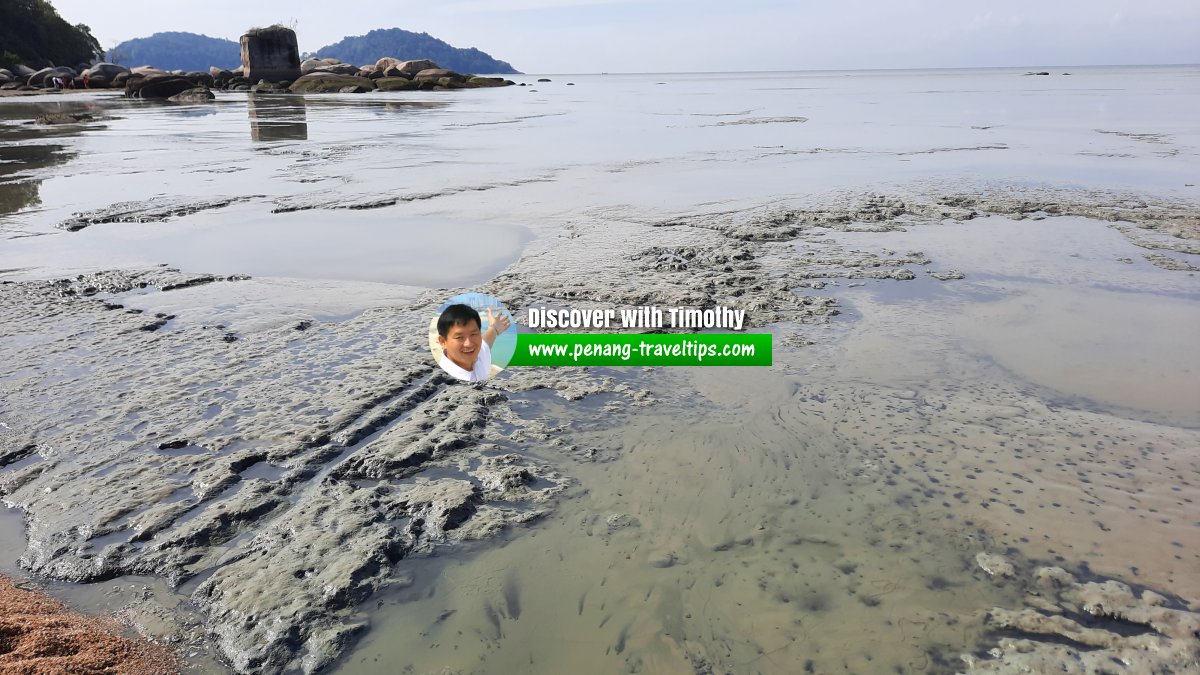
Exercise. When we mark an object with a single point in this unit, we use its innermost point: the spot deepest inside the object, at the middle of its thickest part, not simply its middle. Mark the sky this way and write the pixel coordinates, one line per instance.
(592, 36)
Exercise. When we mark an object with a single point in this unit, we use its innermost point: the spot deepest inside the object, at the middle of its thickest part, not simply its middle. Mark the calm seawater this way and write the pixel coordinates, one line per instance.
(492, 168)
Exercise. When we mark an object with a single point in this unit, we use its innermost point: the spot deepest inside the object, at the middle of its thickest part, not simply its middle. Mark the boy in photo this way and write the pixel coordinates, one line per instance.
(466, 349)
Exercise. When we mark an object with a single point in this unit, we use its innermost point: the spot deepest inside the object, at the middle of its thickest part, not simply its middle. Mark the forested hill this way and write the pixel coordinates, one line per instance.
(178, 51)
(33, 34)
(403, 44)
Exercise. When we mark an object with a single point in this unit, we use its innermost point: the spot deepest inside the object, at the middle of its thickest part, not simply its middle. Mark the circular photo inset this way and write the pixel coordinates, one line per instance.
(471, 337)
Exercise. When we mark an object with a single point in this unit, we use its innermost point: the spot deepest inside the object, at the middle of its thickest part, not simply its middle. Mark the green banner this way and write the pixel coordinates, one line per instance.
(593, 349)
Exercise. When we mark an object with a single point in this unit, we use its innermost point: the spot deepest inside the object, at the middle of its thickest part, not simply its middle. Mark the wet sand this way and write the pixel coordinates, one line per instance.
(41, 635)
(827, 512)
(826, 516)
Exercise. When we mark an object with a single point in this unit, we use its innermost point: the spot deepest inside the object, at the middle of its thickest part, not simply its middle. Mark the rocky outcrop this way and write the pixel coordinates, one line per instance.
(270, 64)
(1077, 627)
(438, 74)
(411, 68)
(193, 95)
(321, 82)
(396, 84)
(157, 86)
(102, 75)
(270, 54)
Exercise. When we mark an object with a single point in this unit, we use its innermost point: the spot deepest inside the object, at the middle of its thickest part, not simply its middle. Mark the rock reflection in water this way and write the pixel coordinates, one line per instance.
(17, 190)
(277, 118)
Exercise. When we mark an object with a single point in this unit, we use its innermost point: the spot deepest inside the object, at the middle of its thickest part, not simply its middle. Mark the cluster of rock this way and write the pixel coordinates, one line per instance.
(386, 74)
(270, 64)
(25, 78)
(316, 76)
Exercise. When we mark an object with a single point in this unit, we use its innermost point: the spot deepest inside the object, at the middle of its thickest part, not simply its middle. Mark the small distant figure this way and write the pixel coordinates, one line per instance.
(85, 80)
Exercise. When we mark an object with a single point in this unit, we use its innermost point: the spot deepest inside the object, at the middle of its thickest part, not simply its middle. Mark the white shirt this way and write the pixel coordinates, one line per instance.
(478, 373)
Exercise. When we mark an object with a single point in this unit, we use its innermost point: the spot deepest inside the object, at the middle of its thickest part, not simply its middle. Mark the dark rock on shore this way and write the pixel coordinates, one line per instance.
(63, 118)
(270, 54)
(320, 82)
(397, 84)
(193, 95)
(270, 76)
(157, 86)
(438, 74)
(107, 71)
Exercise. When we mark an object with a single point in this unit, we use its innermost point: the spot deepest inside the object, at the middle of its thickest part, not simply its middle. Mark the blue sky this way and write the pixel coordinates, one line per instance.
(587, 36)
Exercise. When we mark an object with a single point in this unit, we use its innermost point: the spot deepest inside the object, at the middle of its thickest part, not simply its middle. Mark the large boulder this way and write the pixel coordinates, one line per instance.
(201, 79)
(65, 72)
(193, 95)
(319, 83)
(221, 76)
(147, 71)
(270, 54)
(264, 87)
(336, 69)
(309, 65)
(396, 84)
(477, 81)
(411, 68)
(22, 70)
(438, 74)
(157, 86)
(108, 71)
(35, 79)
(6, 76)
(387, 62)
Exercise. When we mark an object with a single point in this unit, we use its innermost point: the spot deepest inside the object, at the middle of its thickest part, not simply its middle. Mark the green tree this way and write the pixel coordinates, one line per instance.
(32, 33)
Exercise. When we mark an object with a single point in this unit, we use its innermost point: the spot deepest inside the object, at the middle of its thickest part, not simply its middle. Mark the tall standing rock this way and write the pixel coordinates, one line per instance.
(270, 54)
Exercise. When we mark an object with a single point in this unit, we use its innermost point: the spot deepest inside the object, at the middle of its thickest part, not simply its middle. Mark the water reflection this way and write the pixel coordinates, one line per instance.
(21, 153)
(277, 118)
(17, 190)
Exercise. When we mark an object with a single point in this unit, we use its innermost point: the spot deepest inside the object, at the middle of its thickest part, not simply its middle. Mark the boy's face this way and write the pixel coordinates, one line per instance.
(461, 344)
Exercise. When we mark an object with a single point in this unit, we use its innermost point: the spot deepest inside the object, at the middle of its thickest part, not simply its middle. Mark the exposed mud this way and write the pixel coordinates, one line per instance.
(1079, 627)
(366, 202)
(280, 473)
(158, 210)
(283, 469)
(762, 120)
